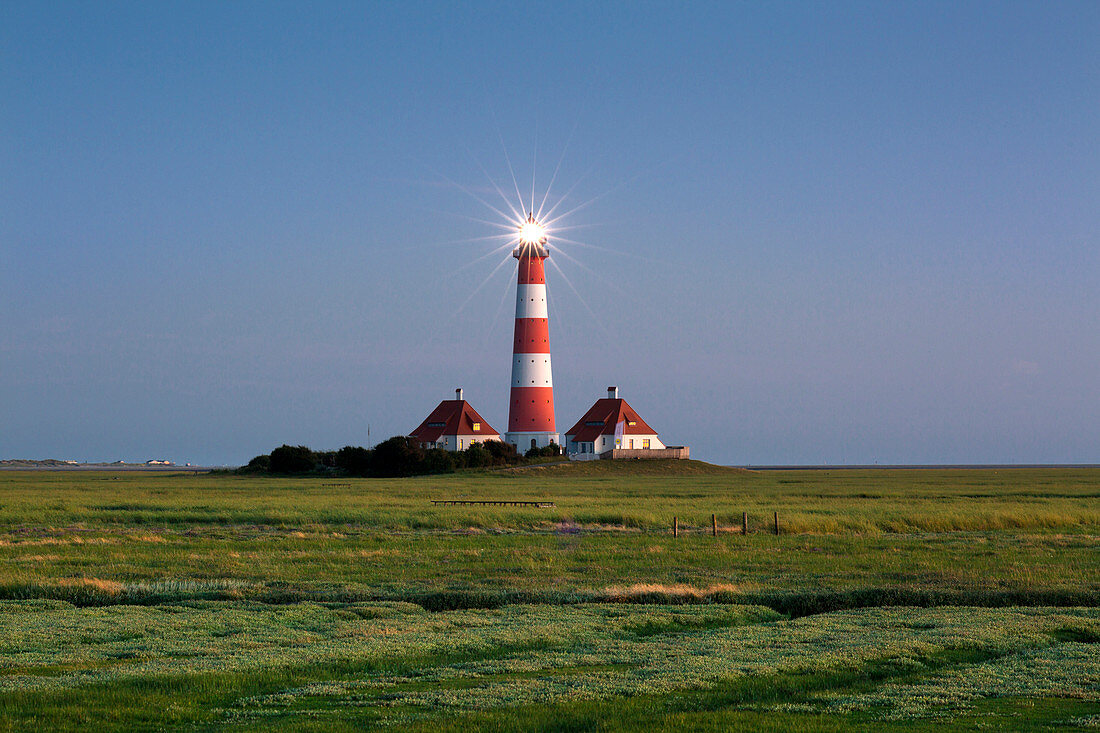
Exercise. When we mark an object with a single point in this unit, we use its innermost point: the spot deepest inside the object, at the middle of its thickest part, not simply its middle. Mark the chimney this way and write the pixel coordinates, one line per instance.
(458, 394)
(612, 393)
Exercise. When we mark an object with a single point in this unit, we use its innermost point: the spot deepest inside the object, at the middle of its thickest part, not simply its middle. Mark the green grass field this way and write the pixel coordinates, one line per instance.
(891, 600)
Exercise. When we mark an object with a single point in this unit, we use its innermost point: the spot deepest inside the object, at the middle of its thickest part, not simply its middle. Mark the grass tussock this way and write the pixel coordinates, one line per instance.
(109, 587)
(92, 592)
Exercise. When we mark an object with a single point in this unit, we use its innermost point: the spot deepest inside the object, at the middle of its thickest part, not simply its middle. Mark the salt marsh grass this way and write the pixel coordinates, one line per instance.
(892, 599)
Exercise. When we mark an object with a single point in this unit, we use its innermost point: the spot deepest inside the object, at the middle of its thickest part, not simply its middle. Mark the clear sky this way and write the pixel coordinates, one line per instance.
(815, 232)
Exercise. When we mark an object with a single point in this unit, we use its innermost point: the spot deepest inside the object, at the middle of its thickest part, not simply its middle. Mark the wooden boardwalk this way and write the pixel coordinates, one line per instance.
(479, 502)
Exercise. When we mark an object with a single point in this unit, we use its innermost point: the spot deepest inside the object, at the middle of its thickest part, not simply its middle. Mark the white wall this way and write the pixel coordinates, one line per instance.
(607, 442)
(462, 442)
(522, 441)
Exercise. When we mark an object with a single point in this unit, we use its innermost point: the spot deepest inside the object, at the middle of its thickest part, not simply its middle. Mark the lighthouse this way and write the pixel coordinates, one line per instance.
(531, 400)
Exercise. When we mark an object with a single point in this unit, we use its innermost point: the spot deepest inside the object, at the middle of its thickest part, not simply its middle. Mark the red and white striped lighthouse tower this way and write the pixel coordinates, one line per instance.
(531, 402)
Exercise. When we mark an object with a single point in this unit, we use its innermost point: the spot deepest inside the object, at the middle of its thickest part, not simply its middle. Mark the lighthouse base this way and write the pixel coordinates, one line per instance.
(526, 441)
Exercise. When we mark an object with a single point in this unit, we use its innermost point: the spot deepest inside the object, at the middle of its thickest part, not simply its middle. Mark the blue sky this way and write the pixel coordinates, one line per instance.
(812, 232)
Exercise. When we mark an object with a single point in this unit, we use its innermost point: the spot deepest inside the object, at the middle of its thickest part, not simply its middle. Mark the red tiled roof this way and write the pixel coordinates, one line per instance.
(602, 418)
(452, 417)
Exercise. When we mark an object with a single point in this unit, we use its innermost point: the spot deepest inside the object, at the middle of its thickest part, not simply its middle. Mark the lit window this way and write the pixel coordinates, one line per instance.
(645, 443)
(477, 426)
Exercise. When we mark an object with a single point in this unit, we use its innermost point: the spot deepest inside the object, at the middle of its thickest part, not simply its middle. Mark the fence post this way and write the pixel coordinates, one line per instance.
(675, 527)
(714, 524)
(777, 523)
(744, 523)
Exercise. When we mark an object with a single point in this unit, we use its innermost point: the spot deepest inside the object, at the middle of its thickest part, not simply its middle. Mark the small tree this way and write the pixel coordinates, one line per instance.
(547, 451)
(438, 460)
(500, 453)
(292, 459)
(477, 456)
(355, 460)
(259, 464)
(397, 456)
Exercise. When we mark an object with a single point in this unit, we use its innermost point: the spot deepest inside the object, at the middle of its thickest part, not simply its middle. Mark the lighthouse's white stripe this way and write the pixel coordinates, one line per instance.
(531, 301)
(531, 370)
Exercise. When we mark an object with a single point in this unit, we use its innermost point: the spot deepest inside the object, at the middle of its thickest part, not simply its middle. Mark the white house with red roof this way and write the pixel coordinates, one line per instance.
(611, 425)
(454, 425)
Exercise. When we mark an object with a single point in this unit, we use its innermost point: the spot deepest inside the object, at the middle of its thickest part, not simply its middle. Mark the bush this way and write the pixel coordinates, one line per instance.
(354, 460)
(259, 464)
(397, 456)
(292, 459)
(548, 451)
(438, 460)
(500, 453)
(477, 456)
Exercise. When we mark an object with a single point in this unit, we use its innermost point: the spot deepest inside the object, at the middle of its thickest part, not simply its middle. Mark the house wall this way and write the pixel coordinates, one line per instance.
(606, 443)
(462, 442)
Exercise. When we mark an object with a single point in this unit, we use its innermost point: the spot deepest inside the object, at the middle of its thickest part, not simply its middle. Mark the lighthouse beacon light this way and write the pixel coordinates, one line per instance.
(531, 231)
(531, 398)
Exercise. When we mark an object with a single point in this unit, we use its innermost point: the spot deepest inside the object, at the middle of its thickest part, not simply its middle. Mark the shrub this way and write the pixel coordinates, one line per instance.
(437, 460)
(500, 453)
(477, 456)
(548, 451)
(355, 460)
(292, 459)
(397, 456)
(259, 464)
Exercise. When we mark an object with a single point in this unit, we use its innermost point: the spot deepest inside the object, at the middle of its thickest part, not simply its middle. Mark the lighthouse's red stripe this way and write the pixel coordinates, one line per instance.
(532, 336)
(531, 410)
(531, 270)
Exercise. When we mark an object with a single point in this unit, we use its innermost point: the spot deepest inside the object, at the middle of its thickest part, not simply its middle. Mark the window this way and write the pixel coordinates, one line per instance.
(533, 442)
(477, 426)
(632, 443)
(645, 443)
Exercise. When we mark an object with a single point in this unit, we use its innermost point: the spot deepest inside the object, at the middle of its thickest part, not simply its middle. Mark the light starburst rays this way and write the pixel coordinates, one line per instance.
(554, 177)
(543, 219)
(512, 172)
(534, 168)
(474, 196)
(507, 201)
(506, 247)
(595, 319)
(440, 325)
(610, 283)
